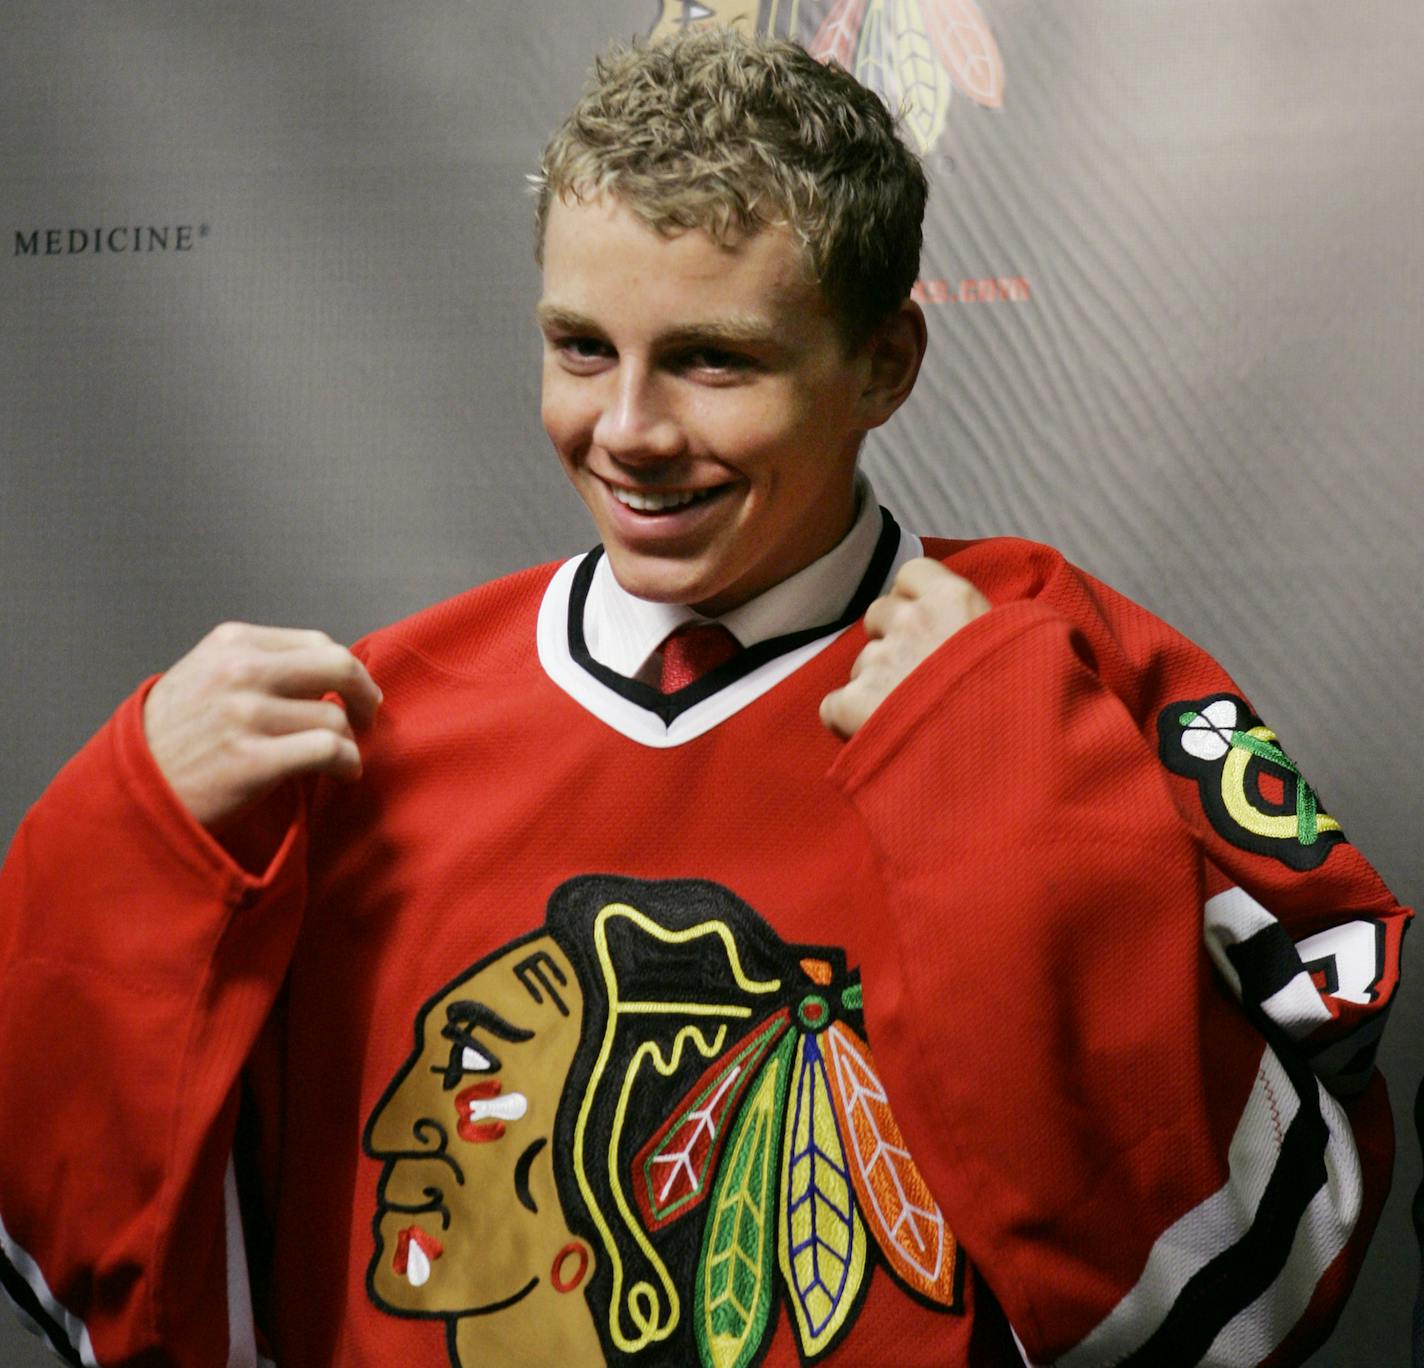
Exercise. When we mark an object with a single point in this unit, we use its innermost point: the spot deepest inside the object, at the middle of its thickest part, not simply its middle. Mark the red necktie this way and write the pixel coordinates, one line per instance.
(691, 651)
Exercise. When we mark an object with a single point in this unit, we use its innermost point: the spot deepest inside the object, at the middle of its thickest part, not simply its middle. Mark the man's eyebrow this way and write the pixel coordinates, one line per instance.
(732, 331)
(725, 332)
(564, 320)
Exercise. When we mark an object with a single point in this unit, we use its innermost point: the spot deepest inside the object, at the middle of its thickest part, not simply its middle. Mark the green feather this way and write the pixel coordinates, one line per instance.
(736, 1274)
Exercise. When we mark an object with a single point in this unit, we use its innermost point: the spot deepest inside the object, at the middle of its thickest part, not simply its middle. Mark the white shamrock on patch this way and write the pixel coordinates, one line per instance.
(1207, 734)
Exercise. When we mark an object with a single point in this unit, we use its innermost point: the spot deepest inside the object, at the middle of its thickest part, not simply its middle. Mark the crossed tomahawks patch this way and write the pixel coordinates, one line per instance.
(1252, 792)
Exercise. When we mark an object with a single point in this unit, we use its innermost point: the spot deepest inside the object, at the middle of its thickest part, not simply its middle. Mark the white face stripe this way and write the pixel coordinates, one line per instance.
(638, 724)
(505, 1107)
(417, 1265)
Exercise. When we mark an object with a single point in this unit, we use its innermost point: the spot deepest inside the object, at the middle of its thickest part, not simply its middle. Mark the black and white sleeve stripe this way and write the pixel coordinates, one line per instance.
(1226, 1282)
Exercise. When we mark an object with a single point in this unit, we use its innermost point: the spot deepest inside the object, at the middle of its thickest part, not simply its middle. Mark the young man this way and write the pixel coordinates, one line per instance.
(930, 961)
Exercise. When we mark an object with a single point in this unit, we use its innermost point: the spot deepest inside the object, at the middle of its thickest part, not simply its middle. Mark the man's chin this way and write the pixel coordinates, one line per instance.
(661, 581)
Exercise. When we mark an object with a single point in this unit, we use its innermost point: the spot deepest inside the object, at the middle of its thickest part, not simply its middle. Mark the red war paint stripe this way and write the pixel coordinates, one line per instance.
(477, 1132)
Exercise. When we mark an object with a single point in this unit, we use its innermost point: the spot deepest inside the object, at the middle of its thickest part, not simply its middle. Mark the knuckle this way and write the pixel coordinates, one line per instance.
(900, 614)
(233, 671)
(877, 610)
(228, 633)
(912, 571)
(335, 659)
(243, 710)
(242, 753)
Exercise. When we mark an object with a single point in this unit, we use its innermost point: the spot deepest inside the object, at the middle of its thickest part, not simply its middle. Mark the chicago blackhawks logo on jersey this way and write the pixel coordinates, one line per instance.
(633, 1134)
(1251, 789)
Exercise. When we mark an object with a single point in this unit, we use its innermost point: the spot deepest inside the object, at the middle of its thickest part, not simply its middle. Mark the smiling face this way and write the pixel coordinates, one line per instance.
(703, 402)
(468, 1217)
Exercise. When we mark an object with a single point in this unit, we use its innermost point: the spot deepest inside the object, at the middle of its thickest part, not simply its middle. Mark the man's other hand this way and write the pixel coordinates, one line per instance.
(926, 606)
(244, 710)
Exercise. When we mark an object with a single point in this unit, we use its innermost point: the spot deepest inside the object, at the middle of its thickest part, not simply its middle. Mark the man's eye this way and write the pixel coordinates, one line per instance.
(582, 348)
(715, 359)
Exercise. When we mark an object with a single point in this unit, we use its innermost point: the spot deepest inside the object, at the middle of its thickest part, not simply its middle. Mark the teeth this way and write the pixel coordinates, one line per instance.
(648, 501)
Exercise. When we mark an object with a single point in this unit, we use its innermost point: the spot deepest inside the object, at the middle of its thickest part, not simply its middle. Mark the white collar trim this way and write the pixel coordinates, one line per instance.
(638, 723)
(622, 632)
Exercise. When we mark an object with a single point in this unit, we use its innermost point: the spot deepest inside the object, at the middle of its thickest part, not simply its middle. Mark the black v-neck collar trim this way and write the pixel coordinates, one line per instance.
(670, 706)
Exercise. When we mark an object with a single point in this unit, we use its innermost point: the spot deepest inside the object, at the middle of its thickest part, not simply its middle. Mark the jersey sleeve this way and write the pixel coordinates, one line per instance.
(138, 963)
(1128, 999)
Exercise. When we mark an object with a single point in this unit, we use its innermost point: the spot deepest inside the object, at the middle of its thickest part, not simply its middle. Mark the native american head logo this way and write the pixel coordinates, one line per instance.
(1251, 790)
(634, 1134)
(915, 54)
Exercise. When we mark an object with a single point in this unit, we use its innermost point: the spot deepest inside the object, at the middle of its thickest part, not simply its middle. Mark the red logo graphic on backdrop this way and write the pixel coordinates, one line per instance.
(915, 54)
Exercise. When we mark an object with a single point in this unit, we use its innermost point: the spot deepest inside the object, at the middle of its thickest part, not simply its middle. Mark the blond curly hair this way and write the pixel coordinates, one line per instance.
(716, 130)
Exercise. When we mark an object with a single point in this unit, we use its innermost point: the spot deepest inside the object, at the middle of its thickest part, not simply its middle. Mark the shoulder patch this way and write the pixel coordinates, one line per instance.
(1251, 790)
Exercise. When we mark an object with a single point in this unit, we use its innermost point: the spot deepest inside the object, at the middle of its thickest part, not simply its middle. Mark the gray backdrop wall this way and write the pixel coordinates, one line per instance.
(268, 351)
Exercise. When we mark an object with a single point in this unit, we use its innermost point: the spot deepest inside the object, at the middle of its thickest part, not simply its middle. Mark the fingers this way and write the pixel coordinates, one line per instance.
(279, 737)
(915, 580)
(264, 715)
(838, 713)
(311, 671)
(307, 752)
(927, 604)
(250, 706)
(919, 576)
(880, 615)
(933, 589)
(292, 663)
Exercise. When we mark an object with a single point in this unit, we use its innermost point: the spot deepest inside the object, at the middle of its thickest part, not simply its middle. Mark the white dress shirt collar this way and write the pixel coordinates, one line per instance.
(622, 631)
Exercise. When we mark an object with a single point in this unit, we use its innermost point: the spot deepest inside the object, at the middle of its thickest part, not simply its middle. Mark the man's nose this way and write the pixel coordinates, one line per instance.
(637, 425)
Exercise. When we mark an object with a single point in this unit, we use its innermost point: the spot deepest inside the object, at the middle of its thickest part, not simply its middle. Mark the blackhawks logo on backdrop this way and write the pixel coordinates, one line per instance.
(916, 54)
(1250, 788)
(636, 1134)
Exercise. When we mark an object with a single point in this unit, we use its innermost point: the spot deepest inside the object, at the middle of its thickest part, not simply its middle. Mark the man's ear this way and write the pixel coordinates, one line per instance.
(894, 352)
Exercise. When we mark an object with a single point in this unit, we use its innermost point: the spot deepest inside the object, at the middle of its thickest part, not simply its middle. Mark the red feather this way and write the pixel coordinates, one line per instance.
(967, 48)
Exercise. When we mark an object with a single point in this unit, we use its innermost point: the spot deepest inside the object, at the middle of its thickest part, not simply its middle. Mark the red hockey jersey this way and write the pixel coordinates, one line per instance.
(594, 1025)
